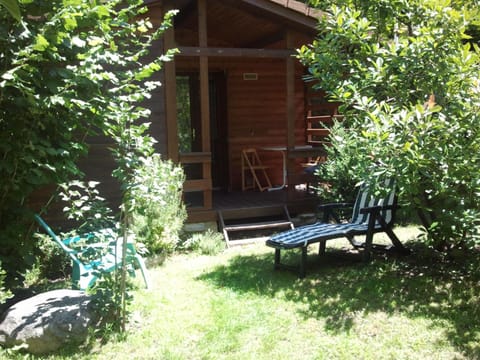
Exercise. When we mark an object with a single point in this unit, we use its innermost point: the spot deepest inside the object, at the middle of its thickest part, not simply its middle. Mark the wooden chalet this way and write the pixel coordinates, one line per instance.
(236, 84)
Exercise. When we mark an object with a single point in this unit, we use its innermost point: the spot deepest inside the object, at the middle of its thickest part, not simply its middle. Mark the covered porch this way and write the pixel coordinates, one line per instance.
(235, 84)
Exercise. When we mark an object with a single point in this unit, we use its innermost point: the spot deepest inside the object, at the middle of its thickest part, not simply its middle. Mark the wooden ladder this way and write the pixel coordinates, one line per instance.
(251, 219)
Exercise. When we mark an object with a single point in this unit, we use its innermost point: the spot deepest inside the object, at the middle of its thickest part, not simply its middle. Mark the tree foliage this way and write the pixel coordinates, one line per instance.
(158, 213)
(70, 69)
(12, 8)
(407, 75)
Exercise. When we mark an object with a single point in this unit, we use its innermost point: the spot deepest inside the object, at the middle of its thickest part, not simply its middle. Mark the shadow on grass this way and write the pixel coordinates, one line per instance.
(339, 285)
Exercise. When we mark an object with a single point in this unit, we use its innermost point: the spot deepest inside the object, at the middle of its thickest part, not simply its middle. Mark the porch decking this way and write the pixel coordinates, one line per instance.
(252, 199)
(297, 202)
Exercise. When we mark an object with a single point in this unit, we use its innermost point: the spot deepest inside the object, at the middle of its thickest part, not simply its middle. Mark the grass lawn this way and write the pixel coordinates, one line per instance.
(234, 306)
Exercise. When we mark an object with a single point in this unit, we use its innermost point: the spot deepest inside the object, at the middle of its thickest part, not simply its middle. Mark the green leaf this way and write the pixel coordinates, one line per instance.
(12, 8)
(8, 75)
(41, 44)
(78, 42)
(94, 41)
(56, 99)
(70, 23)
(102, 11)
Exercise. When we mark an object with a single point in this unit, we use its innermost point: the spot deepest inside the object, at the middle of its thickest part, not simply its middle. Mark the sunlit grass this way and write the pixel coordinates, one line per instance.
(234, 306)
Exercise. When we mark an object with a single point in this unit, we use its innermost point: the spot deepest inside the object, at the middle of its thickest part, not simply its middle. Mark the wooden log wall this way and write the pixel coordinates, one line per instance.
(257, 114)
(256, 109)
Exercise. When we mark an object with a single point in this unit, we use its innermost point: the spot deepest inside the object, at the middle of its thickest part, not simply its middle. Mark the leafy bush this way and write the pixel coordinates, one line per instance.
(158, 213)
(383, 66)
(108, 300)
(16, 253)
(51, 261)
(85, 206)
(338, 178)
(5, 294)
(88, 213)
(207, 243)
(70, 70)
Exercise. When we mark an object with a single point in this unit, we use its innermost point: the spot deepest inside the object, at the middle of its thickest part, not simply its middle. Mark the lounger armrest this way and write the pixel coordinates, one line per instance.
(376, 209)
(330, 206)
(376, 215)
(370, 209)
(329, 211)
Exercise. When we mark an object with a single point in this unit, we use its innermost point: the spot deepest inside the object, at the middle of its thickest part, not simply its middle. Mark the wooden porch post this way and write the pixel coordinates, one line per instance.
(204, 100)
(171, 96)
(290, 118)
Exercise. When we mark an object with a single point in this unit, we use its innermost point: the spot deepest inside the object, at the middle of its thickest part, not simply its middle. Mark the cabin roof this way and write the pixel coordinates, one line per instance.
(242, 23)
(268, 5)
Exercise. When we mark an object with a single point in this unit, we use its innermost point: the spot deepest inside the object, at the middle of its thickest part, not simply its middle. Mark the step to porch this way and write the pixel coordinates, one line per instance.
(253, 220)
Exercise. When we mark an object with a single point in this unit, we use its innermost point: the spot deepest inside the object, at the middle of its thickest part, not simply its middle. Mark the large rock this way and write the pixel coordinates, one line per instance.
(47, 321)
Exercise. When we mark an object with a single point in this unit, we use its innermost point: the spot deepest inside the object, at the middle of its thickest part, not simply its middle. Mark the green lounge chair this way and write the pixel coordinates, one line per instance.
(90, 259)
(370, 215)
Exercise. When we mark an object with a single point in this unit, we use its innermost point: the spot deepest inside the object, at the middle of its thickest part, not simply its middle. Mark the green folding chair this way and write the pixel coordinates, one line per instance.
(90, 259)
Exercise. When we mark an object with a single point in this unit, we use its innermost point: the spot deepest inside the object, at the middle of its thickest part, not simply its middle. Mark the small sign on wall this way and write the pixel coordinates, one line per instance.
(250, 76)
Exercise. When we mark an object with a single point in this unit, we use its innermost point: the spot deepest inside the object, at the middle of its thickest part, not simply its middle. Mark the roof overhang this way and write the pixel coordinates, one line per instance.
(292, 12)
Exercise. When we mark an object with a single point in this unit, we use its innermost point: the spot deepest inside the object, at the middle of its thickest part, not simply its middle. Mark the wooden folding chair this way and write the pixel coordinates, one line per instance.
(254, 173)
